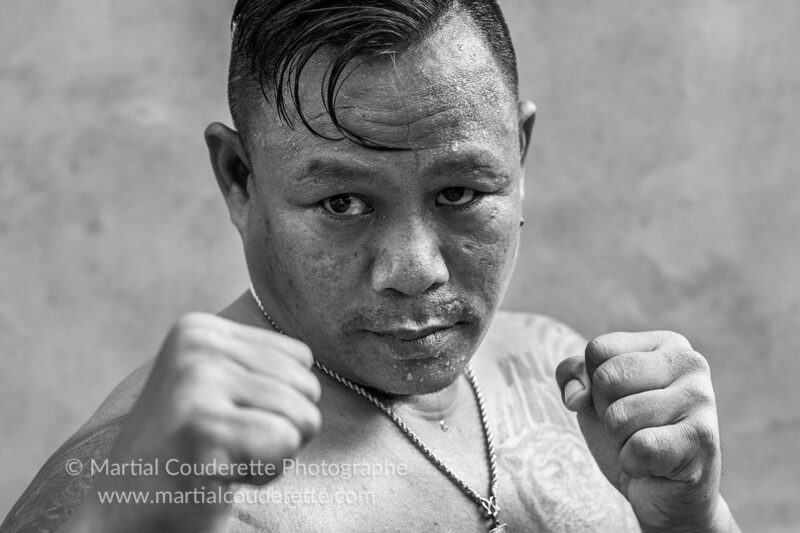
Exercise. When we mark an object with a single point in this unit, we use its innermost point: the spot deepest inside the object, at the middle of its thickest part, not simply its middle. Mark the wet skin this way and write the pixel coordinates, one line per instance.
(389, 264)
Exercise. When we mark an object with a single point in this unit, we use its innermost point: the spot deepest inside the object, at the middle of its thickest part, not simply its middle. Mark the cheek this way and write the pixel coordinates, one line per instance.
(315, 269)
(484, 253)
(483, 258)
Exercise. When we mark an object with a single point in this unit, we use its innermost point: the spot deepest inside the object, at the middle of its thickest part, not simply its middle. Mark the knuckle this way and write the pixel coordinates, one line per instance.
(313, 421)
(596, 345)
(203, 430)
(271, 439)
(196, 371)
(294, 348)
(704, 436)
(200, 373)
(287, 437)
(695, 362)
(304, 416)
(189, 321)
(192, 337)
(698, 396)
(596, 349)
(608, 378)
(314, 388)
(672, 337)
(644, 445)
(304, 352)
(301, 379)
(616, 417)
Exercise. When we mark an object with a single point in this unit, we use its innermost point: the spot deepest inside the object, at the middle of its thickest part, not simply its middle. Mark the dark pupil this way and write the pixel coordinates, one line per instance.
(453, 194)
(341, 203)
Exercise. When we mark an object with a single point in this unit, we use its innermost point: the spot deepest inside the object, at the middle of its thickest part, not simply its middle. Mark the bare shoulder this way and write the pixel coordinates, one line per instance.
(546, 339)
(57, 490)
(547, 474)
(517, 362)
(120, 400)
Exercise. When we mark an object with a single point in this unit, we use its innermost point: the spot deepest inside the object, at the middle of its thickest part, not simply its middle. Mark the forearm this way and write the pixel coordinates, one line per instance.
(95, 517)
(84, 520)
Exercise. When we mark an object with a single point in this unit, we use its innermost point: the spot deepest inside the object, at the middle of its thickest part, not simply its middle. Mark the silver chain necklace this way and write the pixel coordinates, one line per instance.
(488, 505)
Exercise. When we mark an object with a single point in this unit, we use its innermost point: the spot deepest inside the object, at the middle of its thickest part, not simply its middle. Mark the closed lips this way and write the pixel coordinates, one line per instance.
(411, 334)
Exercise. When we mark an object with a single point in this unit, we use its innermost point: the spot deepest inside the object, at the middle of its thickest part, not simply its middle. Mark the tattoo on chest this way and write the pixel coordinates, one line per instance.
(531, 397)
(542, 453)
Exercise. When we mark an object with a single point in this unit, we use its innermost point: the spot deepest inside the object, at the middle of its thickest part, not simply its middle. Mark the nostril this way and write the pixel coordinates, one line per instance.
(409, 274)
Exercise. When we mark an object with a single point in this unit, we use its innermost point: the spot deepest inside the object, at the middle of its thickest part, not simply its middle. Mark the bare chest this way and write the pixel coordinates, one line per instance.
(379, 481)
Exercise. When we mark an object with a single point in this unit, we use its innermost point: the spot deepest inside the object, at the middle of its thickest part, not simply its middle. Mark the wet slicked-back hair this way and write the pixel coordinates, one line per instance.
(273, 40)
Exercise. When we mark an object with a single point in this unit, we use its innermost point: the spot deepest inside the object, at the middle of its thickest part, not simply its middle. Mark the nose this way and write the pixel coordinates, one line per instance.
(409, 260)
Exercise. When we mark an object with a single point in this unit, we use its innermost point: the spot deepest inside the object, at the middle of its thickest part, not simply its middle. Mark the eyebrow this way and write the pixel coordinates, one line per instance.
(467, 163)
(324, 171)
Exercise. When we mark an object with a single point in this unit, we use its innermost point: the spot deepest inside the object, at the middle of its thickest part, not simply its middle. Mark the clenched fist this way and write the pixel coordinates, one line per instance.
(220, 393)
(646, 409)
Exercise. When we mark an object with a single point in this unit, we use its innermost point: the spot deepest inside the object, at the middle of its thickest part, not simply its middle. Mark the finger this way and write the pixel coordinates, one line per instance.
(263, 438)
(278, 365)
(215, 326)
(635, 372)
(602, 348)
(653, 408)
(257, 358)
(269, 394)
(677, 452)
(288, 345)
(574, 384)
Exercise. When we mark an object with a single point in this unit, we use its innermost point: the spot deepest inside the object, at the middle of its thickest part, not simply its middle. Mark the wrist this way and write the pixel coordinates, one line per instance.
(720, 520)
(723, 521)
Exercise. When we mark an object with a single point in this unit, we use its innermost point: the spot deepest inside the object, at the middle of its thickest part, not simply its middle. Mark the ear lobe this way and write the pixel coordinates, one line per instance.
(526, 113)
(232, 170)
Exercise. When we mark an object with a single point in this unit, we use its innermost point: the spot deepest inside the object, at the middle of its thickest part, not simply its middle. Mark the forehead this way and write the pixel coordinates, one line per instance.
(442, 94)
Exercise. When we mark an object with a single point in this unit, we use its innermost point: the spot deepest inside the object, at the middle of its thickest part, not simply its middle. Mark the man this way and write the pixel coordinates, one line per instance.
(375, 177)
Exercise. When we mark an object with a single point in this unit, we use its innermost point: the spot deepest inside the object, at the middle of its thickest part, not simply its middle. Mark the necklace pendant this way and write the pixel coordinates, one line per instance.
(501, 528)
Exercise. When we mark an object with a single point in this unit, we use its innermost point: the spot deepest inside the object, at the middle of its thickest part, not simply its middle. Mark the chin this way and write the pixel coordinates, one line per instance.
(417, 376)
(387, 366)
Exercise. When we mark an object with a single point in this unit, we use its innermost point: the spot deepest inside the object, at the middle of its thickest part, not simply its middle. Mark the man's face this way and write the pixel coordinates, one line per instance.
(390, 264)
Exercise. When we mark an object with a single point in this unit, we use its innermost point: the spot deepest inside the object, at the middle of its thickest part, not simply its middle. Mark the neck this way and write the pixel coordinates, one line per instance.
(434, 406)
(245, 311)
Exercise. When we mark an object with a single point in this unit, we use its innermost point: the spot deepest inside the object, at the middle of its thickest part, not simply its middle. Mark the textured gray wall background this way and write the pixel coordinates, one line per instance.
(663, 192)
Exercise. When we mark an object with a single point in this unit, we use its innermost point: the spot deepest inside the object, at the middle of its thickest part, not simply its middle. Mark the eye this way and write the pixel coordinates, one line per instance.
(455, 196)
(346, 205)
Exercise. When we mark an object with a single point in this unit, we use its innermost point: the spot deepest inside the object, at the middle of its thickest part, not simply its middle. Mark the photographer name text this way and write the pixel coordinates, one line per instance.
(176, 467)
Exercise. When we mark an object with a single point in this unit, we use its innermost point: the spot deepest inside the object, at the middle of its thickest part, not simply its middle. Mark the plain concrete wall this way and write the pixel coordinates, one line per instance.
(662, 192)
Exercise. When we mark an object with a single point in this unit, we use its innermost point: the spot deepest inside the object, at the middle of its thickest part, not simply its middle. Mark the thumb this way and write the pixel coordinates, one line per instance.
(572, 379)
(576, 392)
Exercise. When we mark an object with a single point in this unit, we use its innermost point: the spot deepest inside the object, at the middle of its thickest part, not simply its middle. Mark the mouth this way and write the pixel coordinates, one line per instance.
(417, 343)
(411, 334)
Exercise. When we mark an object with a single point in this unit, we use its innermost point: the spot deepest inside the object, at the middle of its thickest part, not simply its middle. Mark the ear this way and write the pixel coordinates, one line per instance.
(232, 169)
(526, 113)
